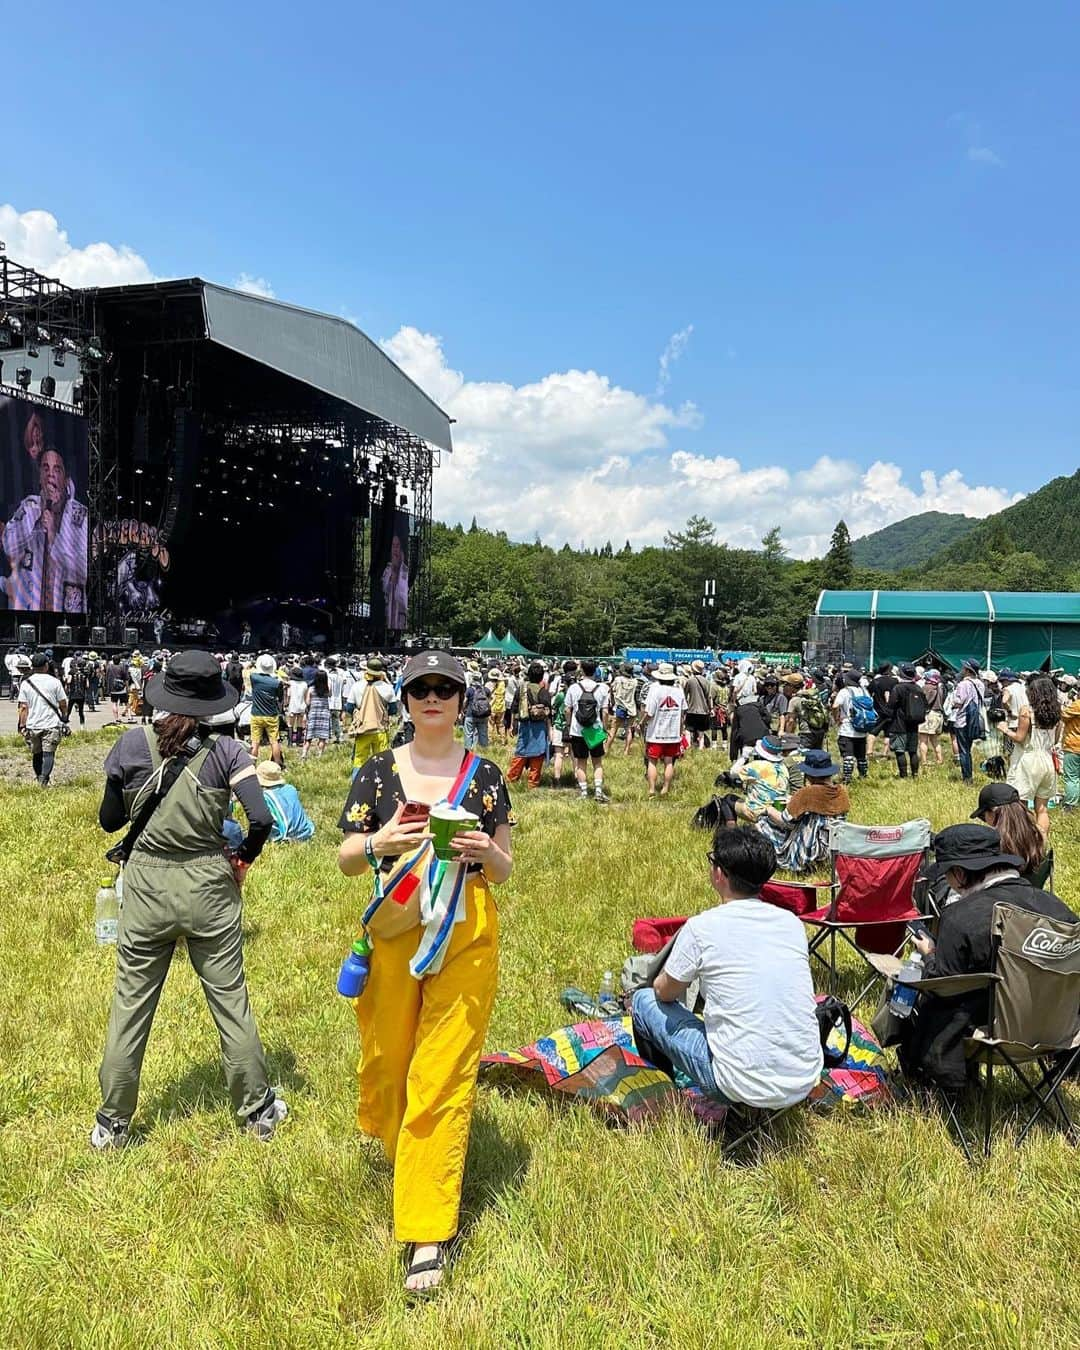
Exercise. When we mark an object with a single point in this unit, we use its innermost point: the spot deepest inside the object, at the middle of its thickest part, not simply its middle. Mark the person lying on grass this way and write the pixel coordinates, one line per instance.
(758, 1043)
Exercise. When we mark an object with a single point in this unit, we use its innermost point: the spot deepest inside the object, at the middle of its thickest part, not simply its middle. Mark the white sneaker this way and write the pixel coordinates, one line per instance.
(113, 1135)
(264, 1122)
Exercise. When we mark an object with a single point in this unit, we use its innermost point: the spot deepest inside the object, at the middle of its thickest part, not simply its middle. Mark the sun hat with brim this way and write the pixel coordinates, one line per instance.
(992, 796)
(768, 748)
(664, 673)
(698, 667)
(975, 848)
(269, 774)
(1007, 673)
(817, 764)
(192, 686)
(970, 664)
(433, 663)
(989, 676)
(266, 665)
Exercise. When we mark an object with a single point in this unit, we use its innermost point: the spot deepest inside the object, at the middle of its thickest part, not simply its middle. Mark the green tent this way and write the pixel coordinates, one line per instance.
(488, 643)
(512, 647)
(1022, 629)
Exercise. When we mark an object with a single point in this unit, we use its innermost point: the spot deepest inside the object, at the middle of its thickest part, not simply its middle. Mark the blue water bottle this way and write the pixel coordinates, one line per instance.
(354, 969)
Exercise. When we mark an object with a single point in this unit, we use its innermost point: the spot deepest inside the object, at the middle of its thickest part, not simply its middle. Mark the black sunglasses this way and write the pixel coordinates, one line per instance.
(444, 689)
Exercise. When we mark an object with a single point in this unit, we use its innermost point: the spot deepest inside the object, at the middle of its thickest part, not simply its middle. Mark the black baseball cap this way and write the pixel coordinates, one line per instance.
(992, 795)
(433, 663)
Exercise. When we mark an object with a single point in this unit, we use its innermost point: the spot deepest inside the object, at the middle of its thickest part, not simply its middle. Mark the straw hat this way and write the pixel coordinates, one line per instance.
(269, 774)
(664, 673)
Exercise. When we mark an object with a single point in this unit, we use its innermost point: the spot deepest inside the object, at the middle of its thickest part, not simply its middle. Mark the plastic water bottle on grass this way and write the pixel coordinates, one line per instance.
(106, 913)
(605, 998)
(904, 993)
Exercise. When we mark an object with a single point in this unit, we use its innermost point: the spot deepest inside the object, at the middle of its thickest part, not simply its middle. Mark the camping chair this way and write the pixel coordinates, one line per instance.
(1033, 1016)
(1043, 876)
(876, 870)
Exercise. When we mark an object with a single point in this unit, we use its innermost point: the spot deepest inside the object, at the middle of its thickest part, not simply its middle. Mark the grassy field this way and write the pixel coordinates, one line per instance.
(857, 1230)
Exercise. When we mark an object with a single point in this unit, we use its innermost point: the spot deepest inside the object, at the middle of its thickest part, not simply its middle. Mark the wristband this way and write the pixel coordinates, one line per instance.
(369, 851)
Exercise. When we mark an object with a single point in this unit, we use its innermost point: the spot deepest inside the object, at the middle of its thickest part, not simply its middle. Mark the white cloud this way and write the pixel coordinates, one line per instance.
(676, 345)
(982, 154)
(572, 456)
(254, 285)
(36, 239)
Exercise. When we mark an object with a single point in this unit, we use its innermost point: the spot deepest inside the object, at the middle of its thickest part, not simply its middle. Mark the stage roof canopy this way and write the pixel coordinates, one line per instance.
(324, 352)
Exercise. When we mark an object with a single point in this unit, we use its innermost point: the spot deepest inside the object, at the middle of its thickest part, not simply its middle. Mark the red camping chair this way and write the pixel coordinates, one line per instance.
(875, 870)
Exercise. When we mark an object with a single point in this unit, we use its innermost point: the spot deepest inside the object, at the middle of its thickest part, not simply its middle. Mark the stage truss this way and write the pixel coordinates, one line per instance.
(340, 450)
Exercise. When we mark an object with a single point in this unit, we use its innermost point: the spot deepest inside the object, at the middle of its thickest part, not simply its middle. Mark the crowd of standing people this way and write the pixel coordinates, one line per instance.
(192, 752)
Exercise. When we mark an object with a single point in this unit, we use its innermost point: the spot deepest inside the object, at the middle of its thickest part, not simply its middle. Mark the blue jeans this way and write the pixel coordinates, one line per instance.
(671, 1037)
(963, 749)
(476, 733)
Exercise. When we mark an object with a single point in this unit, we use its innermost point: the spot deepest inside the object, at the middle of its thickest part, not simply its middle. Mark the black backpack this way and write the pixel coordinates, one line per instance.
(587, 710)
(480, 707)
(914, 707)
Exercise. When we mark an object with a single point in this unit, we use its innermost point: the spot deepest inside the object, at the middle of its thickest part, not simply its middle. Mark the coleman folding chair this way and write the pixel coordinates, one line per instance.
(877, 872)
(1033, 1017)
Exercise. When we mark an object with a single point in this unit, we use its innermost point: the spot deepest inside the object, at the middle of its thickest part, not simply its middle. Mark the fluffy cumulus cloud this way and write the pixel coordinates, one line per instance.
(575, 457)
(36, 239)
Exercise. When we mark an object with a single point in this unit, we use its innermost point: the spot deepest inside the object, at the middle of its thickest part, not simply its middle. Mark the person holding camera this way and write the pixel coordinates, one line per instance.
(43, 710)
(172, 782)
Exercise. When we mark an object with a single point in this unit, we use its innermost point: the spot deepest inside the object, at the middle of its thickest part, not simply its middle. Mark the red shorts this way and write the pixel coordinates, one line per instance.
(663, 750)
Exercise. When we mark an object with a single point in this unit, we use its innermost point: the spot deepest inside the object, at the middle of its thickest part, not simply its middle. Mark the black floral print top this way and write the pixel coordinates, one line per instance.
(376, 793)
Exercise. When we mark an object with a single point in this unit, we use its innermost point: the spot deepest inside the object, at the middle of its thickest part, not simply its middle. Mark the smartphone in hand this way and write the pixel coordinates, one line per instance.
(918, 929)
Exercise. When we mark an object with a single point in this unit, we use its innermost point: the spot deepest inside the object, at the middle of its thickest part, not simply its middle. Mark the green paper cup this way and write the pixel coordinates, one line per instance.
(444, 823)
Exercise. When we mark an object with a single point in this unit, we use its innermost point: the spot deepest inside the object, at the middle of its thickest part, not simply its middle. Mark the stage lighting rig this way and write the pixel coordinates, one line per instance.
(23, 376)
(32, 351)
(48, 387)
(77, 395)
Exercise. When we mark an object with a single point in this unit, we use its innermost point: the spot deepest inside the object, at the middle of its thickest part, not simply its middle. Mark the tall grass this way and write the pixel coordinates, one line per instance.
(856, 1230)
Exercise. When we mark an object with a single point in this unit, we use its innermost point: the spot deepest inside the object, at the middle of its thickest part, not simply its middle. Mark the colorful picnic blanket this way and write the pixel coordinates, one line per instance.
(598, 1062)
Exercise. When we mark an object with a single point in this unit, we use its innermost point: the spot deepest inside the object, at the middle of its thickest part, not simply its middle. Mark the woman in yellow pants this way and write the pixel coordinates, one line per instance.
(424, 1012)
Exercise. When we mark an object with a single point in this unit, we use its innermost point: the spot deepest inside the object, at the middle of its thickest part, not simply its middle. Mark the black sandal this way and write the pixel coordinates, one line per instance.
(437, 1263)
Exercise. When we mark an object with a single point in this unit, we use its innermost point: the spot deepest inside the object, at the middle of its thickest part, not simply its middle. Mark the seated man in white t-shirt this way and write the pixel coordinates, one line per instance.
(758, 1044)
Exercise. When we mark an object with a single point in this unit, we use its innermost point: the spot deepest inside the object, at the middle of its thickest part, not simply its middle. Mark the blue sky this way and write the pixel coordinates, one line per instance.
(865, 218)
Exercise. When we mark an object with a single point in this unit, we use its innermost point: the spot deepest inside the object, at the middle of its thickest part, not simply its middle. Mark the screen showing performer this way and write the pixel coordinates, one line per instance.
(395, 576)
(43, 517)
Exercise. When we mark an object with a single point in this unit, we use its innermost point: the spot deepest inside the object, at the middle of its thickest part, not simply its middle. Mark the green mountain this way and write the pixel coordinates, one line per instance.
(910, 542)
(1047, 524)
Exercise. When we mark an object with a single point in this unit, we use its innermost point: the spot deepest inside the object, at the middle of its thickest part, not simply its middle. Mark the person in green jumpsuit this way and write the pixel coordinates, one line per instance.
(179, 881)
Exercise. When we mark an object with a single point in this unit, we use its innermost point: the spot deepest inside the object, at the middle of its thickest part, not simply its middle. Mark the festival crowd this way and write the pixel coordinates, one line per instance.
(208, 734)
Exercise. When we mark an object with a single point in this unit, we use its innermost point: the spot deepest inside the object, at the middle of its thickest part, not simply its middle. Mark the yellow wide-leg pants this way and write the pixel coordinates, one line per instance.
(420, 1045)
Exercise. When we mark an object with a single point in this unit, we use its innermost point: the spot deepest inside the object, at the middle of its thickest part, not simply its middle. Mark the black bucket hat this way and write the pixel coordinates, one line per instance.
(433, 663)
(975, 848)
(193, 686)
